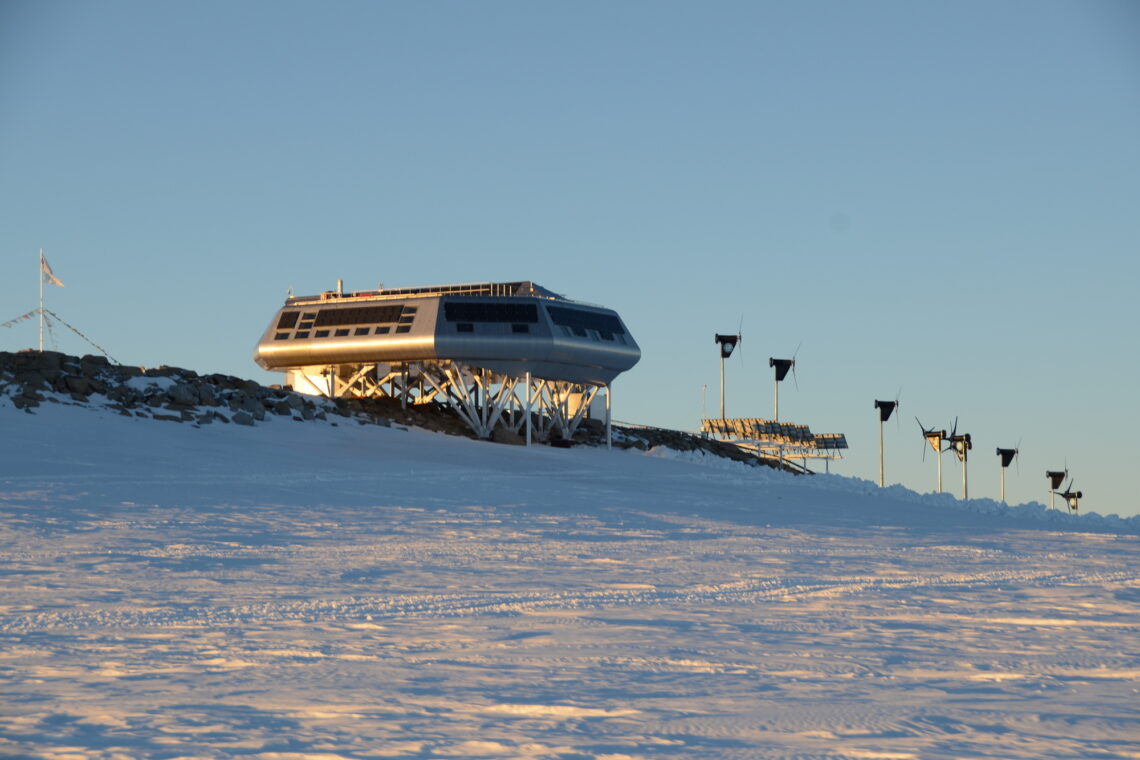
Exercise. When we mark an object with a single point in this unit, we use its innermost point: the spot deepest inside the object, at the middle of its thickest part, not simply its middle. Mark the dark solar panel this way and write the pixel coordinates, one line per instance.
(358, 315)
(576, 319)
(479, 311)
(288, 320)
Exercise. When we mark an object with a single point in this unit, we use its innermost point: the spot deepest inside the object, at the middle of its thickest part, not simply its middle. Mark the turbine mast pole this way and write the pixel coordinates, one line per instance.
(776, 410)
(880, 451)
(939, 465)
(722, 385)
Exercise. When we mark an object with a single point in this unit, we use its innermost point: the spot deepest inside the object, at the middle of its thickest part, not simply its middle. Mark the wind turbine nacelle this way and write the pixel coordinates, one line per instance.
(885, 408)
(1055, 479)
(727, 344)
(1007, 456)
(782, 366)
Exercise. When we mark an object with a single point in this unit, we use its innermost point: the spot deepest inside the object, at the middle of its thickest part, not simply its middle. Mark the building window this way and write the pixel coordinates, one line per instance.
(322, 333)
(303, 334)
(361, 331)
(281, 336)
(403, 328)
(342, 332)
(481, 311)
(288, 320)
(517, 328)
(383, 330)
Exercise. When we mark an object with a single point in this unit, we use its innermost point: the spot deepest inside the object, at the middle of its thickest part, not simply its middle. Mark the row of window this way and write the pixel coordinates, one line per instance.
(573, 322)
(578, 321)
(307, 320)
(481, 311)
(342, 332)
(466, 327)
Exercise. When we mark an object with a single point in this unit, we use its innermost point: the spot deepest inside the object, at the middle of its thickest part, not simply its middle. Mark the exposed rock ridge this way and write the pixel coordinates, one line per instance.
(29, 379)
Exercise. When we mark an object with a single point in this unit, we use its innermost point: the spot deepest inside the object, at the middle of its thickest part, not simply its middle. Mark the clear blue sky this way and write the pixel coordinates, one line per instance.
(939, 196)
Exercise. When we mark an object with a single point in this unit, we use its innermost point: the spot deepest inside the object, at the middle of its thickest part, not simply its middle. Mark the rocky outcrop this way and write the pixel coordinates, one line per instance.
(32, 378)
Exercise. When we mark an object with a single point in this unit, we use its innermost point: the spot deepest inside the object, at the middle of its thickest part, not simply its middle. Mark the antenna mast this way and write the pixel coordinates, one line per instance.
(40, 272)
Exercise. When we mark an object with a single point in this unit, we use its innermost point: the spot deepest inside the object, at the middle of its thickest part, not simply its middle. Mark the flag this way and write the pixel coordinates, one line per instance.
(49, 276)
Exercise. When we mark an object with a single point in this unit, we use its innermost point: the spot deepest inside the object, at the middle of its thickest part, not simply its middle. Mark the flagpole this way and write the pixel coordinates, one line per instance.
(41, 273)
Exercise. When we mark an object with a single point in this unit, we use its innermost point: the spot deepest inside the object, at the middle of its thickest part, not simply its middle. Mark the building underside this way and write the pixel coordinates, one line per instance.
(539, 409)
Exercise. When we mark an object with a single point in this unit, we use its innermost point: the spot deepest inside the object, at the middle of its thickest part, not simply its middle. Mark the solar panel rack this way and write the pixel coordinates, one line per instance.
(781, 440)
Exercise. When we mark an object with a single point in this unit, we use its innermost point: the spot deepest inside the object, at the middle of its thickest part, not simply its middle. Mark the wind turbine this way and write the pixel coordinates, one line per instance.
(1072, 498)
(885, 408)
(782, 366)
(1055, 479)
(935, 439)
(727, 346)
(961, 445)
(1007, 456)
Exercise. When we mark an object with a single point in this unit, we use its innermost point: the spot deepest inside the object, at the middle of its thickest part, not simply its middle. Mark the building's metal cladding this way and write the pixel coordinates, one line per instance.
(508, 328)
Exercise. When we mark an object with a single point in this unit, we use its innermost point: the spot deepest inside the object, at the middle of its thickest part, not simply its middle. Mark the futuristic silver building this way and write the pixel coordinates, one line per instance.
(496, 352)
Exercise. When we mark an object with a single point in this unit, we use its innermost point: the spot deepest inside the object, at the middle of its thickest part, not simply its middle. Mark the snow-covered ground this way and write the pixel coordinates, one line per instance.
(304, 590)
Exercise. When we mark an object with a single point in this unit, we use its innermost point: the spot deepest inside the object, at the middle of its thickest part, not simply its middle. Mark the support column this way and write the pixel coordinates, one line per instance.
(609, 418)
(526, 409)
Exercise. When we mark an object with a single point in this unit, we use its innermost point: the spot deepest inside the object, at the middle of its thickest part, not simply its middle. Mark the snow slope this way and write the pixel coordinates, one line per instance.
(305, 590)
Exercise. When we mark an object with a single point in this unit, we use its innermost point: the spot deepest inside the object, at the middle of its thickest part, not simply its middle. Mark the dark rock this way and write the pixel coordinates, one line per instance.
(501, 435)
(183, 393)
(31, 378)
(77, 384)
(243, 418)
